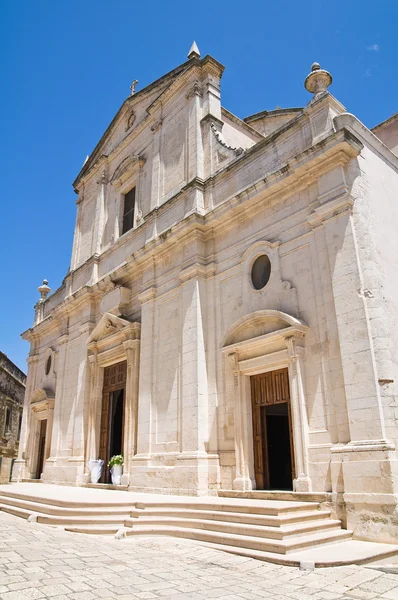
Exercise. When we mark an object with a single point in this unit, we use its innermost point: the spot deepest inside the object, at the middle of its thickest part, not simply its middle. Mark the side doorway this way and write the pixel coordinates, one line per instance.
(272, 431)
(41, 448)
(112, 415)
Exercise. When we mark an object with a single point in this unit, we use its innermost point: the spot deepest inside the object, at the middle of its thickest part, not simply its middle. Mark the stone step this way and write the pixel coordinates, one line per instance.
(116, 520)
(274, 533)
(50, 509)
(243, 541)
(63, 503)
(266, 520)
(260, 507)
(18, 512)
(320, 497)
(93, 529)
(336, 554)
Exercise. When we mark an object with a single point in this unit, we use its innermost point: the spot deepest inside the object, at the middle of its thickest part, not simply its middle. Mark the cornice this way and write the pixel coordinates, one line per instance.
(348, 122)
(217, 134)
(338, 148)
(241, 123)
(147, 295)
(192, 70)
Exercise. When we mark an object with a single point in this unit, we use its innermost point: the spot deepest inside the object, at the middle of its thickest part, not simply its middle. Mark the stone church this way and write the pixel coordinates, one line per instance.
(229, 320)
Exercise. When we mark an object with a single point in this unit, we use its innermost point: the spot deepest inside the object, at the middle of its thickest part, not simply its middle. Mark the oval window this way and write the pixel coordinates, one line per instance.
(261, 272)
(48, 365)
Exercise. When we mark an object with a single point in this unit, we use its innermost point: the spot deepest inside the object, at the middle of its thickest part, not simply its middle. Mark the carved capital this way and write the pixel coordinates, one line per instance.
(195, 90)
(103, 180)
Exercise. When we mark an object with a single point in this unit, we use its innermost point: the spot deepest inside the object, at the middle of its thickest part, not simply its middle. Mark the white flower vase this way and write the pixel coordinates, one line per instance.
(116, 474)
(95, 467)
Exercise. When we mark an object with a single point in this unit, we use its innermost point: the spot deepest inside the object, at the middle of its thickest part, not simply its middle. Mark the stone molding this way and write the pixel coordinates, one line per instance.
(113, 340)
(274, 350)
(126, 169)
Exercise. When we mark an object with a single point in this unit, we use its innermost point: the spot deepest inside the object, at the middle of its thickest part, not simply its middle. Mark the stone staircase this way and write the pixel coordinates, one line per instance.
(273, 530)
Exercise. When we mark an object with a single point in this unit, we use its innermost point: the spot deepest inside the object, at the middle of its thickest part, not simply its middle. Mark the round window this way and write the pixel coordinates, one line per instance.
(261, 272)
(48, 365)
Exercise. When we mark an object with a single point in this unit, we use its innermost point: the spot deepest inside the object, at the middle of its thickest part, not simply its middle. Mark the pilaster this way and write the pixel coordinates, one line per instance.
(132, 350)
(147, 356)
(193, 366)
(20, 464)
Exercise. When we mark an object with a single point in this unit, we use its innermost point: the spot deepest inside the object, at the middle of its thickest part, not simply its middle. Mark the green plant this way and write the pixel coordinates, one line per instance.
(116, 460)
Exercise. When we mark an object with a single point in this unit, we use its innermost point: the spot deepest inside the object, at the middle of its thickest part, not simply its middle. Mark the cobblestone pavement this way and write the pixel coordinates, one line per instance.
(37, 561)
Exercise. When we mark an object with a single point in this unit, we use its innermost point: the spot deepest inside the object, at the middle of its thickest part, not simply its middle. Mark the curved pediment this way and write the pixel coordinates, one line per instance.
(259, 323)
(125, 169)
(42, 395)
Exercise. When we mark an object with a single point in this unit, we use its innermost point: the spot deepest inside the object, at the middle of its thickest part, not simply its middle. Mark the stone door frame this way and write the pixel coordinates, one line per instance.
(251, 355)
(41, 408)
(113, 340)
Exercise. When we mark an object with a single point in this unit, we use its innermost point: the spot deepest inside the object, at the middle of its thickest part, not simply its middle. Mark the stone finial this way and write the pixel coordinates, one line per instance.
(318, 80)
(44, 289)
(133, 86)
(194, 51)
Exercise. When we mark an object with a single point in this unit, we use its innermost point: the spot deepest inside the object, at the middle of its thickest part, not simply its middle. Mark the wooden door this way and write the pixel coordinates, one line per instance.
(42, 446)
(104, 433)
(114, 379)
(267, 389)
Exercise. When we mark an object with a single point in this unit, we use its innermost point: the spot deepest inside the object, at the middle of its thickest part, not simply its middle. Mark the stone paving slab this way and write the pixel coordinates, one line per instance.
(41, 562)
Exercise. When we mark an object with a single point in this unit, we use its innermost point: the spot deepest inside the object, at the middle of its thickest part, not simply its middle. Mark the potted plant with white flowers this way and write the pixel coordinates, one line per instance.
(116, 467)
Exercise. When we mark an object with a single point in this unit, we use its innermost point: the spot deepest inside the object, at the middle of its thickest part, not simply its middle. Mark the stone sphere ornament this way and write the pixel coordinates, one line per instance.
(318, 80)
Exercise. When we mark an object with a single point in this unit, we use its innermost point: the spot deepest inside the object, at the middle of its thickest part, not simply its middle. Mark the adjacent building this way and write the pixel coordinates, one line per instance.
(12, 391)
(230, 316)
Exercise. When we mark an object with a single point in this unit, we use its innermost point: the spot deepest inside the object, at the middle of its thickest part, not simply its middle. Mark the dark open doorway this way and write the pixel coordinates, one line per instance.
(116, 424)
(42, 447)
(112, 417)
(272, 438)
(277, 437)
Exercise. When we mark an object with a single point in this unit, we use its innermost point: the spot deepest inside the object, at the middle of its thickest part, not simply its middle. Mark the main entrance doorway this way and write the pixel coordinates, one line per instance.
(42, 446)
(272, 433)
(112, 416)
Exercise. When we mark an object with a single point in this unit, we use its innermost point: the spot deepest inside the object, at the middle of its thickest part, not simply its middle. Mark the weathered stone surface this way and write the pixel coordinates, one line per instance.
(315, 191)
(12, 391)
(150, 568)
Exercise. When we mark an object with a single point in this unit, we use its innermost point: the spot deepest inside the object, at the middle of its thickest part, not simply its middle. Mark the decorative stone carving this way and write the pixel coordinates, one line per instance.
(157, 124)
(318, 80)
(220, 140)
(196, 90)
(131, 120)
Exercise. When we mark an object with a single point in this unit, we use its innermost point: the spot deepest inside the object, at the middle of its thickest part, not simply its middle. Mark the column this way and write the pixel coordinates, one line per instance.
(57, 418)
(94, 410)
(194, 408)
(50, 419)
(76, 237)
(365, 415)
(132, 349)
(145, 375)
(302, 482)
(242, 481)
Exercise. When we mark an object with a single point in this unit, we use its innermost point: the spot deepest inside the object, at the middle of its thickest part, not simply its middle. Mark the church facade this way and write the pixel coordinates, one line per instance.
(229, 319)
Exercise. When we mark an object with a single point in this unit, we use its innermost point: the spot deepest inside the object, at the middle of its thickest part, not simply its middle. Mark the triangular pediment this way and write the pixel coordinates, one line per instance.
(108, 325)
(126, 117)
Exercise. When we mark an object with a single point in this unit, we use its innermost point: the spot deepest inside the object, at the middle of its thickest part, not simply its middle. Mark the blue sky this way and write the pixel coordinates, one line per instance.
(66, 67)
